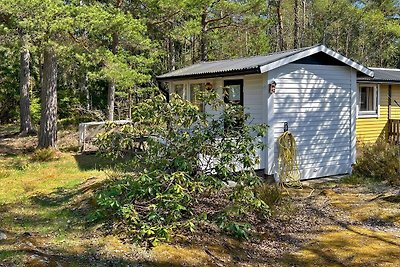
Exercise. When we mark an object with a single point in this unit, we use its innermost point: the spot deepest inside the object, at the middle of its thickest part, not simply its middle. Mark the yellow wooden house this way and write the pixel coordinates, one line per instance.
(378, 106)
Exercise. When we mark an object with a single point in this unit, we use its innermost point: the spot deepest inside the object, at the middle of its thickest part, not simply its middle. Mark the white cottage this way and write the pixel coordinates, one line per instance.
(315, 96)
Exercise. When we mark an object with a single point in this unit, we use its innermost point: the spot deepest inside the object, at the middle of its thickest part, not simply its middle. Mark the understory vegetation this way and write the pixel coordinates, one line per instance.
(188, 156)
(380, 161)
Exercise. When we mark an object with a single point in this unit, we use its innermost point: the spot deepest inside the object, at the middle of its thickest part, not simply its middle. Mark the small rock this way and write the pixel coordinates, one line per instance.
(3, 236)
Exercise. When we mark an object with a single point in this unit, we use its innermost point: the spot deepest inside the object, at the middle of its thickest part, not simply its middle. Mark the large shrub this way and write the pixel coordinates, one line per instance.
(379, 161)
(185, 155)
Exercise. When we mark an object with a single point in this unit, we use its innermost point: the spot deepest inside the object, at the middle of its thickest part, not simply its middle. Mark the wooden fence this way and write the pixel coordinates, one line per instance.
(394, 131)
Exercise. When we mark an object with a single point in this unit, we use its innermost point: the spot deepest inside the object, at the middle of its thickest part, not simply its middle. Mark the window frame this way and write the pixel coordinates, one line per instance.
(187, 90)
(239, 82)
(376, 101)
(238, 125)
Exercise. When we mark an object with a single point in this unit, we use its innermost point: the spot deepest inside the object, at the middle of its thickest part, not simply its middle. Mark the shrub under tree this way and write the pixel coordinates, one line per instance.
(185, 155)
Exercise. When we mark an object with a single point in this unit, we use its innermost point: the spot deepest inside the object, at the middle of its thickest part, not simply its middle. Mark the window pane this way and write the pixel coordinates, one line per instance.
(367, 94)
(234, 93)
(195, 91)
(179, 90)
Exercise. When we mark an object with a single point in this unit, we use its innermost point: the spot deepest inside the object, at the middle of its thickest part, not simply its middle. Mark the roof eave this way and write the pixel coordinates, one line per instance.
(254, 70)
(378, 81)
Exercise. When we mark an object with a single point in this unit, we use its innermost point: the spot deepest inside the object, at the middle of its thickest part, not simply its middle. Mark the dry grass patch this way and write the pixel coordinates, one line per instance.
(354, 246)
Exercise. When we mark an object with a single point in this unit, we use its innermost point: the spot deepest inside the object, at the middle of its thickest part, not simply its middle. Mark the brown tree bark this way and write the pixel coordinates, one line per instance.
(24, 82)
(296, 25)
(48, 119)
(303, 29)
(281, 39)
(203, 37)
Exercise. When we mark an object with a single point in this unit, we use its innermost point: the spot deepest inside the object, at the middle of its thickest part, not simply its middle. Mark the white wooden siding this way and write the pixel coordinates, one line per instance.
(255, 103)
(316, 101)
(254, 100)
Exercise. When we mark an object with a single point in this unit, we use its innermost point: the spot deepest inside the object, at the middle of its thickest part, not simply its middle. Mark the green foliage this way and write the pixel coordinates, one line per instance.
(45, 154)
(380, 161)
(270, 194)
(187, 155)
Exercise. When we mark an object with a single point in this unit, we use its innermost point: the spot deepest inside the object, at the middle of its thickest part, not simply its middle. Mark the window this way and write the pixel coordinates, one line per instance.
(195, 92)
(180, 90)
(368, 100)
(191, 92)
(233, 93)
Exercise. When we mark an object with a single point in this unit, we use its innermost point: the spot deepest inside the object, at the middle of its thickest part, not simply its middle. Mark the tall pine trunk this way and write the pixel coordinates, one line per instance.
(111, 83)
(24, 81)
(203, 37)
(296, 25)
(48, 119)
(279, 15)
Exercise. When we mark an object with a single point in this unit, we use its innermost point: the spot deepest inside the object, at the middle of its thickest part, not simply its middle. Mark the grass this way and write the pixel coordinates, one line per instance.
(22, 178)
(37, 197)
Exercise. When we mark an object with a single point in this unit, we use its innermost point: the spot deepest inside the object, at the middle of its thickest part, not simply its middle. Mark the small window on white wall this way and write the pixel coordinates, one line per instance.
(368, 100)
(180, 90)
(195, 91)
(191, 91)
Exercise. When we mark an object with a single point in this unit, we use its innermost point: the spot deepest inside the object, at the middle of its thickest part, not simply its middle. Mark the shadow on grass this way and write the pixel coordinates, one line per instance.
(95, 162)
(28, 249)
(64, 196)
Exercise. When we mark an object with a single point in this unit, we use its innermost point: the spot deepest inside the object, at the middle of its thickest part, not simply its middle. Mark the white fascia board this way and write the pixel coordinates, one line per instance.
(312, 51)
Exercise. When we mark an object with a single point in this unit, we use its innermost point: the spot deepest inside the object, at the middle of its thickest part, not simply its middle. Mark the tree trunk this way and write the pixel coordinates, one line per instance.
(193, 46)
(280, 25)
(111, 84)
(296, 25)
(171, 54)
(48, 119)
(24, 81)
(303, 31)
(203, 37)
(85, 90)
(111, 100)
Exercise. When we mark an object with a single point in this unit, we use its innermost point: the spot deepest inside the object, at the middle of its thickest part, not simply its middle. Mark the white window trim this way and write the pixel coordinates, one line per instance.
(186, 87)
(377, 100)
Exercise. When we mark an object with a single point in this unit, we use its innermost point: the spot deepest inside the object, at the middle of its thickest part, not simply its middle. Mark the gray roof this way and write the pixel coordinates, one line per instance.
(230, 65)
(256, 64)
(383, 75)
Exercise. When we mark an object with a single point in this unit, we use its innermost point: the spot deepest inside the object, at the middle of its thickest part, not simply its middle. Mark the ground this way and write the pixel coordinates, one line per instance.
(45, 214)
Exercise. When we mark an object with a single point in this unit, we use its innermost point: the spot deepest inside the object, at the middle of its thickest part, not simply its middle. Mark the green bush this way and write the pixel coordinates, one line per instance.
(379, 161)
(45, 154)
(270, 194)
(187, 155)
